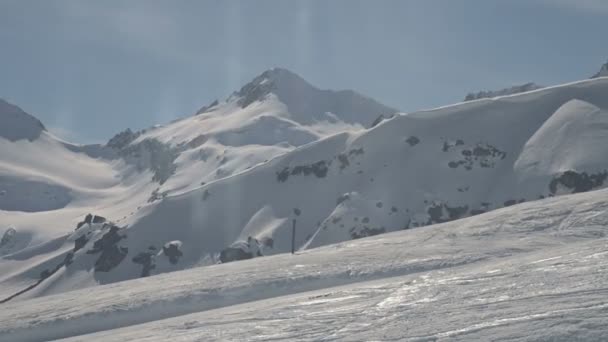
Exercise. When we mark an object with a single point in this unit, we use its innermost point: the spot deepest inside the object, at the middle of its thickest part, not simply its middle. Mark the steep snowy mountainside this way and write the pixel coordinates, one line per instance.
(502, 92)
(17, 124)
(271, 115)
(525, 272)
(409, 171)
(48, 186)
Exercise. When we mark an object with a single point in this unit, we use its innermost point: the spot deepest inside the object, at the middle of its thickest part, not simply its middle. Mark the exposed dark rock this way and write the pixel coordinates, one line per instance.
(413, 141)
(256, 90)
(154, 155)
(173, 251)
(510, 202)
(577, 182)
(437, 213)
(156, 195)
(111, 254)
(268, 242)
(8, 237)
(146, 259)
(69, 258)
(343, 159)
(378, 120)
(456, 212)
(206, 108)
(198, 141)
(365, 232)
(507, 91)
(230, 254)
(356, 151)
(122, 139)
(603, 71)
(342, 198)
(88, 219)
(98, 219)
(80, 242)
(319, 169)
(482, 155)
(283, 174)
(206, 195)
(477, 212)
(454, 164)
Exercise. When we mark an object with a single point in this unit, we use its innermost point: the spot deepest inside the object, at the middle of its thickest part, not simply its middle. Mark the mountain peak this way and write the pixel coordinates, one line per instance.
(17, 124)
(273, 80)
(308, 103)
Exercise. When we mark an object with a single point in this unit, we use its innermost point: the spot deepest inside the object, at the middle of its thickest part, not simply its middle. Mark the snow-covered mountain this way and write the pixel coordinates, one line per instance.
(229, 182)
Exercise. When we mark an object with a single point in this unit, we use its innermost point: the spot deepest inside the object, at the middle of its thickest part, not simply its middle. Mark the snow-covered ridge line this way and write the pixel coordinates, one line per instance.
(525, 228)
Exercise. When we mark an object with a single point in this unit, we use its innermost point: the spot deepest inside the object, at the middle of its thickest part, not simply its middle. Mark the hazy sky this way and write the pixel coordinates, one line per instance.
(89, 69)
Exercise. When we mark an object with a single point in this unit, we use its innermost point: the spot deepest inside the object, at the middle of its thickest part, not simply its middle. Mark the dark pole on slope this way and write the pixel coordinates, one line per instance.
(293, 236)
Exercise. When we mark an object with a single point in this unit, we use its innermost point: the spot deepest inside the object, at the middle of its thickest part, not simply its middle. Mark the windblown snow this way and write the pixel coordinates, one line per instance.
(136, 239)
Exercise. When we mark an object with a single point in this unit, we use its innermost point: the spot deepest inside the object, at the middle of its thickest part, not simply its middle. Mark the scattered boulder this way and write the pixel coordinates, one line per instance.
(172, 250)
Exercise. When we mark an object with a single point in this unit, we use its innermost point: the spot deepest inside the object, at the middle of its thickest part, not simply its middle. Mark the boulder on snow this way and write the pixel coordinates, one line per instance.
(172, 250)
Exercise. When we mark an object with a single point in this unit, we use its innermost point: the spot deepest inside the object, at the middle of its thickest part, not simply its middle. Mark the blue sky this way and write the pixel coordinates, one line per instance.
(89, 69)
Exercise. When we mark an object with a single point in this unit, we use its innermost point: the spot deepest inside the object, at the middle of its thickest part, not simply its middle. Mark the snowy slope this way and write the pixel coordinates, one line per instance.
(528, 272)
(207, 187)
(48, 186)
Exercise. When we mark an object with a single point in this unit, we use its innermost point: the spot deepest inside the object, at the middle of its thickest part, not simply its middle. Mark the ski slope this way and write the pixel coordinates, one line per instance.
(534, 271)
